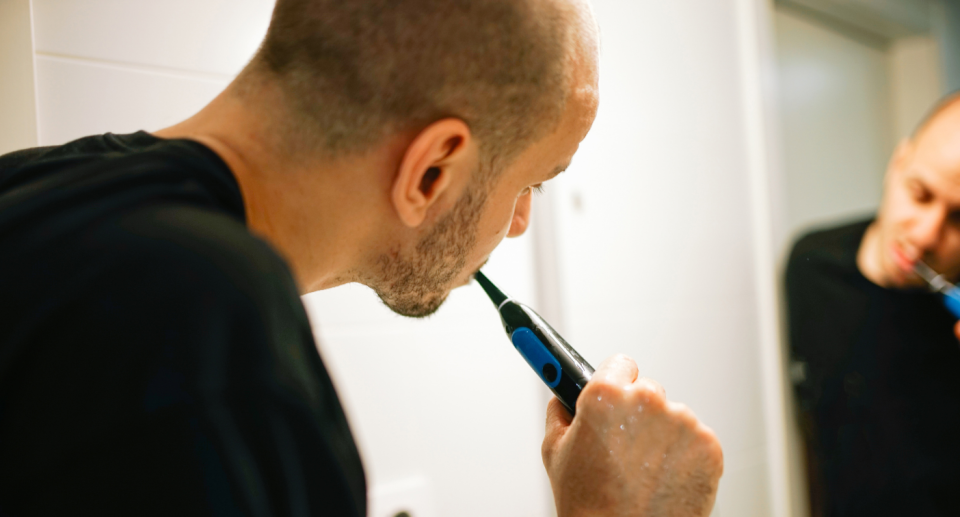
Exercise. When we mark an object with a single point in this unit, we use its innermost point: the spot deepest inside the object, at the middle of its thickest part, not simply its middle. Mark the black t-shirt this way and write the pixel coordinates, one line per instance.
(879, 398)
(155, 358)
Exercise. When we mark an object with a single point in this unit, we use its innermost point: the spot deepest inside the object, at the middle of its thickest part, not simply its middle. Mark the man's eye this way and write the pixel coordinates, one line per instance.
(535, 189)
(920, 194)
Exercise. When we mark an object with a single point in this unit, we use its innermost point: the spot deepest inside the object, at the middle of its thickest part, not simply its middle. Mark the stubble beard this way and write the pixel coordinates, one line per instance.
(416, 286)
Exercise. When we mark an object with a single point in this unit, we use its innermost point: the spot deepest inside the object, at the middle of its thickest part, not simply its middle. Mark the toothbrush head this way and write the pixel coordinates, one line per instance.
(936, 280)
(495, 294)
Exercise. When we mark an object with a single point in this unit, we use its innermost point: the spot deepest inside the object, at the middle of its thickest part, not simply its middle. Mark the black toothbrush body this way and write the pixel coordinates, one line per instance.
(557, 364)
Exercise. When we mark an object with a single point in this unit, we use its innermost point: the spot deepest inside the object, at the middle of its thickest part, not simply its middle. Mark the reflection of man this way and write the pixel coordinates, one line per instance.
(880, 392)
(154, 354)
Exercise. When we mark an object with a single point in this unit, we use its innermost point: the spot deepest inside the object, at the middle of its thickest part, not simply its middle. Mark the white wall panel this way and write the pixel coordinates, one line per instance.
(837, 122)
(740, 495)
(78, 98)
(916, 81)
(655, 231)
(217, 36)
(18, 112)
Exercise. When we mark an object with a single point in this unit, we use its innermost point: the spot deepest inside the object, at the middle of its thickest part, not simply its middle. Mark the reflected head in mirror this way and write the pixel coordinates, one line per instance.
(464, 108)
(919, 215)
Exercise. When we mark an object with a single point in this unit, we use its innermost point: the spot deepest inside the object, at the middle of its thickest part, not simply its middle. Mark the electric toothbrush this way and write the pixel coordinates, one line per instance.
(559, 366)
(950, 292)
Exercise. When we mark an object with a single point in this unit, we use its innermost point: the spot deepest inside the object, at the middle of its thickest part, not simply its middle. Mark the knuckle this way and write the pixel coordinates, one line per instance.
(601, 390)
(621, 357)
(684, 415)
(650, 394)
(712, 450)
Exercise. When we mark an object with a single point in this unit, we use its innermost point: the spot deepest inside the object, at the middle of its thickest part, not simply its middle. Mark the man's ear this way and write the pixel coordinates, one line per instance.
(440, 158)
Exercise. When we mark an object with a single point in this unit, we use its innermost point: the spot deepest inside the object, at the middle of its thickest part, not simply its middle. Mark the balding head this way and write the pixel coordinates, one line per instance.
(946, 105)
(353, 72)
(919, 216)
(936, 142)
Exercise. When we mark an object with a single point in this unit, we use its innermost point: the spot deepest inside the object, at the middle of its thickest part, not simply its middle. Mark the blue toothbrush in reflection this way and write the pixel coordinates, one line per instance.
(559, 366)
(950, 292)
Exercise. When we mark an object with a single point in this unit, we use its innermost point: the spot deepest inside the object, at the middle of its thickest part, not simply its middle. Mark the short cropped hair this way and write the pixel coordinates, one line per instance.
(355, 71)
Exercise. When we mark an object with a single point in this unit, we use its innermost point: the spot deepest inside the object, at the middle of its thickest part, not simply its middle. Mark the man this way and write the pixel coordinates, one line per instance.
(880, 392)
(154, 354)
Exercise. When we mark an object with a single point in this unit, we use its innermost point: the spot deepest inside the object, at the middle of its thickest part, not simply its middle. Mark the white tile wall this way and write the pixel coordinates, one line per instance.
(78, 98)
(213, 36)
(656, 243)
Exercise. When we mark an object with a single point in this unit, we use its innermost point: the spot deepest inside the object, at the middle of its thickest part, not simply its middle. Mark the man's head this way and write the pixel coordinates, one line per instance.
(465, 106)
(356, 72)
(919, 216)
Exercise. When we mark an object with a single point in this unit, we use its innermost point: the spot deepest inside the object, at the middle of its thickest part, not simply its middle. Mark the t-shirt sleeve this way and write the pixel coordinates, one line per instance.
(186, 381)
(799, 301)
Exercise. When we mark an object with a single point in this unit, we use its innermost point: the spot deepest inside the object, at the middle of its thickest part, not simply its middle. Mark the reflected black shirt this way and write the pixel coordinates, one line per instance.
(879, 399)
(155, 357)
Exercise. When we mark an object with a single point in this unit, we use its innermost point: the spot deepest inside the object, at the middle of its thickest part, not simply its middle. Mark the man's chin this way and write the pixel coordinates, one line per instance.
(418, 308)
(898, 278)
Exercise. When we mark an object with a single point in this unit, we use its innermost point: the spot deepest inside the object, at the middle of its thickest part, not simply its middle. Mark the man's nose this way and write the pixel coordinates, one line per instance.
(929, 228)
(521, 216)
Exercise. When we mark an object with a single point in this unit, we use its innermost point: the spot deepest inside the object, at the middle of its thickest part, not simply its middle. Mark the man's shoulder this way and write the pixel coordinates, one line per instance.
(168, 272)
(835, 246)
(162, 256)
(196, 246)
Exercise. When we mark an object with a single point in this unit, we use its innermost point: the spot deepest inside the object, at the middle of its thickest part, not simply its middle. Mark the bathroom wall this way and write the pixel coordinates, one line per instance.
(661, 254)
(846, 97)
(18, 124)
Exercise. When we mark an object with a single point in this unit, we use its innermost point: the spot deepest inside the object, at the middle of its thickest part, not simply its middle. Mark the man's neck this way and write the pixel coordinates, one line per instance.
(316, 215)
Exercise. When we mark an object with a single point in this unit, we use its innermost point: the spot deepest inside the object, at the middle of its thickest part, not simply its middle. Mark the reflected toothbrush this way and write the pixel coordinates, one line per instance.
(557, 364)
(950, 292)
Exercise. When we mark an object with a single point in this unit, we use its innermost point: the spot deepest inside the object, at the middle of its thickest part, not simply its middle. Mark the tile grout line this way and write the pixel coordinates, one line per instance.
(138, 67)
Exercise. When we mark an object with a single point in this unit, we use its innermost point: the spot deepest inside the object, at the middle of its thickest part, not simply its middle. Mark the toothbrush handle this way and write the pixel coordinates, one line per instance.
(951, 299)
(557, 364)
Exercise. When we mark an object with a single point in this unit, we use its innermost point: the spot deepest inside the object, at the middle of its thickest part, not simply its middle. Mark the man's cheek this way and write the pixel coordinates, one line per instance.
(488, 241)
(952, 252)
(502, 224)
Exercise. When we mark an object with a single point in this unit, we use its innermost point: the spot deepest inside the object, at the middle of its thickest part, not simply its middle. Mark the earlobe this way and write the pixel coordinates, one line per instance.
(434, 163)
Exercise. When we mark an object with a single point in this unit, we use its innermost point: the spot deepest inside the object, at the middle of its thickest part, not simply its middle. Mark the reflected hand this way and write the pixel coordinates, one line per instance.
(956, 330)
(629, 451)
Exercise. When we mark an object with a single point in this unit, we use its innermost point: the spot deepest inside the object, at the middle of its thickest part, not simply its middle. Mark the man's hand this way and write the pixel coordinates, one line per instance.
(956, 330)
(630, 452)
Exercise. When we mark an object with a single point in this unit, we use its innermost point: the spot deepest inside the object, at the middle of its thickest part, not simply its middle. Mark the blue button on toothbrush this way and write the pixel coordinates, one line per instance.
(557, 364)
